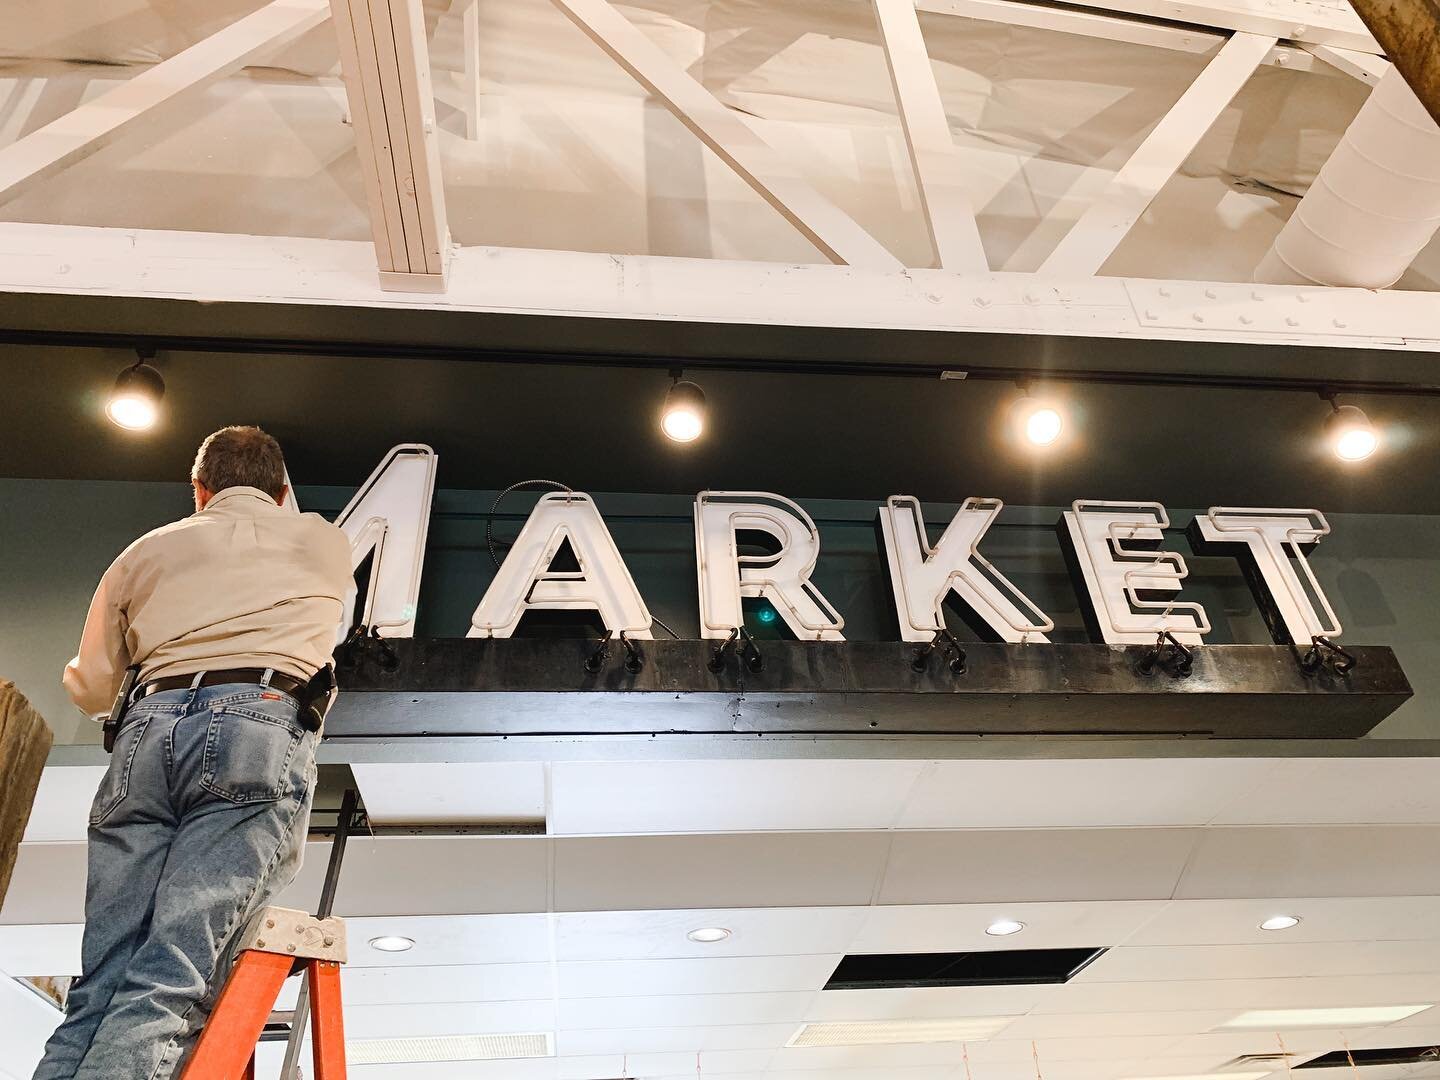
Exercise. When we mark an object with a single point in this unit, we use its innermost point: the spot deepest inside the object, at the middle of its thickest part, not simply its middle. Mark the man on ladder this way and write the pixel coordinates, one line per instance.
(213, 637)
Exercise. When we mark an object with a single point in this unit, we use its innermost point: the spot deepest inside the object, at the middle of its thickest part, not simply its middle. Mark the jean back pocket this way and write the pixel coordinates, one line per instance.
(116, 784)
(249, 753)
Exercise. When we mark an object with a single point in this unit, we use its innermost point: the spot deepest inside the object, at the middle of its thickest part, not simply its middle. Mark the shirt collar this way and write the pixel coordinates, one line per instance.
(226, 494)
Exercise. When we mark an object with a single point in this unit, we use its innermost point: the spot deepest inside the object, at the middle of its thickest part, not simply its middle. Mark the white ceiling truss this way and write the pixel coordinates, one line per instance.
(384, 57)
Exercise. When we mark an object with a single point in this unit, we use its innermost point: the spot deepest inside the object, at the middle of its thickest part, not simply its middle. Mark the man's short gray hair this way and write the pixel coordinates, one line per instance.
(240, 457)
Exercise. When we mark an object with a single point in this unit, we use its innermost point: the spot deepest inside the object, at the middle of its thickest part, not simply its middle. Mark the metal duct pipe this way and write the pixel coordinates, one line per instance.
(1375, 203)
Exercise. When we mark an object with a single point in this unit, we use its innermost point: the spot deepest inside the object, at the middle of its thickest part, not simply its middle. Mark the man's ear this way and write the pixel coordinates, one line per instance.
(284, 491)
(202, 494)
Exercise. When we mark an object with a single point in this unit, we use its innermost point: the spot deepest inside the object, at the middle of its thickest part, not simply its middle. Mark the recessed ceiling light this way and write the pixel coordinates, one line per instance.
(881, 1032)
(1004, 928)
(448, 1048)
(1361, 1016)
(1280, 922)
(392, 943)
(708, 935)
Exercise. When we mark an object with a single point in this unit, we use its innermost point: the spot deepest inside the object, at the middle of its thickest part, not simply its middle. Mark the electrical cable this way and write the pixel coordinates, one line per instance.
(490, 540)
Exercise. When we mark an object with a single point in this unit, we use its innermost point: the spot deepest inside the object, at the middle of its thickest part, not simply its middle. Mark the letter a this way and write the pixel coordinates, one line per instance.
(525, 581)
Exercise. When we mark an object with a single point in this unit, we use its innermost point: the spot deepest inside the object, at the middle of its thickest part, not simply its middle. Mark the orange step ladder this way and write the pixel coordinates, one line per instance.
(277, 943)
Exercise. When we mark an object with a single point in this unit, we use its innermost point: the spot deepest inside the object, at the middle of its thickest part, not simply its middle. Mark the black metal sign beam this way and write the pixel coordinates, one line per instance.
(528, 686)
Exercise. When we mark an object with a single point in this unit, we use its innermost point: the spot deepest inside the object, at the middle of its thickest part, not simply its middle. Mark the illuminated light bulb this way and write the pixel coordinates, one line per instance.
(708, 935)
(392, 943)
(1352, 437)
(1004, 928)
(683, 418)
(1280, 922)
(1038, 423)
(135, 402)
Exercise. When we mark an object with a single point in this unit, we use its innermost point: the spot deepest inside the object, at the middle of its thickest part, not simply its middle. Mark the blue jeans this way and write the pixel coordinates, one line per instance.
(200, 820)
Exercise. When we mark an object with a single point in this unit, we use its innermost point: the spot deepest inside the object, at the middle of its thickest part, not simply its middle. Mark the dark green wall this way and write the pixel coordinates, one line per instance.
(56, 537)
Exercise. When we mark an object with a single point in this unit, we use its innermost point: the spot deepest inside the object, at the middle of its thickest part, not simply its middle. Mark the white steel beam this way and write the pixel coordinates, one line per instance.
(385, 59)
(1107, 221)
(220, 268)
(948, 213)
(1295, 20)
(152, 94)
(1107, 27)
(1366, 67)
(824, 224)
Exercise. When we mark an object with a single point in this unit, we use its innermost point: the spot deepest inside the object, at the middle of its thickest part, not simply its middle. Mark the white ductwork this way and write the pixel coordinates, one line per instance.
(1375, 203)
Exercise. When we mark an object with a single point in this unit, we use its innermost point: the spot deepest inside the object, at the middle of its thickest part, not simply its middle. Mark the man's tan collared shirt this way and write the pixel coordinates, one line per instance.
(240, 584)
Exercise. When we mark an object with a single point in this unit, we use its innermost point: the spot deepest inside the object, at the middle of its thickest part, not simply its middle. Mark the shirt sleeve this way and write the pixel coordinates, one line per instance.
(93, 678)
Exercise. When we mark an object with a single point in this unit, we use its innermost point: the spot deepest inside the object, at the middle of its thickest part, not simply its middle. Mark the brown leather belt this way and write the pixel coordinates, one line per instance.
(286, 684)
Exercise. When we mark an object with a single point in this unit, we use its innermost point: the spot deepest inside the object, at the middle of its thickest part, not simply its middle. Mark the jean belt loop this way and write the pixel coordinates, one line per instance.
(265, 678)
(194, 689)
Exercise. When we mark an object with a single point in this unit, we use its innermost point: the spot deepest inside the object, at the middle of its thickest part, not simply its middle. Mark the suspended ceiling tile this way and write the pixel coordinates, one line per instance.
(61, 810)
(1344, 792)
(1359, 860)
(895, 1055)
(728, 796)
(961, 927)
(429, 875)
(723, 975)
(399, 1019)
(643, 1066)
(508, 1069)
(1222, 1046)
(50, 949)
(1279, 959)
(47, 885)
(1081, 1025)
(1000, 1049)
(1241, 994)
(452, 793)
(1077, 794)
(1428, 1018)
(1034, 865)
(1323, 918)
(639, 935)
(739, 870)
(681, 1010)
(446, 984)
(671, 1040)
(451, 939)
(929, 1002)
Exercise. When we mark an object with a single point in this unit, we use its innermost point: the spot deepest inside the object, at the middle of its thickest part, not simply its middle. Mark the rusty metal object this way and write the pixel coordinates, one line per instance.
(1409, 32)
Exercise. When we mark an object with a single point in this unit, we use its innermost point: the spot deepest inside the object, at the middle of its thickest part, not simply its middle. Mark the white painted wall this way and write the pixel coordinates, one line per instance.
(26, 1021)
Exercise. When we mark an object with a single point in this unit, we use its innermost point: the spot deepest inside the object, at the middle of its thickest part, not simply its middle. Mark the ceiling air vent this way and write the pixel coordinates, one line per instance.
(1392, 1055)
(448, 1048)
(1008, 967)
(1249, 1063)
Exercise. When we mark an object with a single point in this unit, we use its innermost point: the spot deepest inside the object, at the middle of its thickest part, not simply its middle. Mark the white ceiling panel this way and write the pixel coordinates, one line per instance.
(644, 935)
(679, 1010)
(1342, 791)
(451, 939)
(1240, 994)
(1083, 1025)
(1107, 1048)
(671, 1040)
(61, 810)
(47, 885)
(712, 1064)
(399, 1020)
(1018, 865)
(1429, 1018)
(1222, 1046)
(444, 985)
(523, 1069)
(722, 975)
(1359, 860)
(928, 1002)
(1227, 922)
(1276, 960)
(452, 792)
(728, 796)
(46, 949)
(961, 927)
(740, 870)
(1070, 794)
(429, 875)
